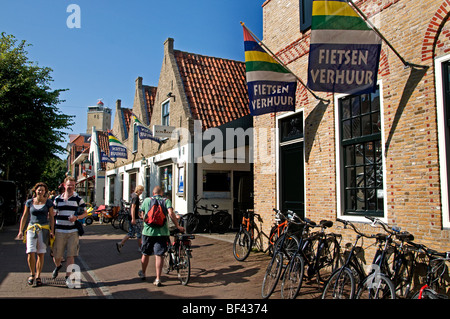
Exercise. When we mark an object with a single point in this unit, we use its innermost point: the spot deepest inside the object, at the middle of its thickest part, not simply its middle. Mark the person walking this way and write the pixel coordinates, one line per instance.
(39, 231)
(135, 227)
(70, 207)
(155, 238)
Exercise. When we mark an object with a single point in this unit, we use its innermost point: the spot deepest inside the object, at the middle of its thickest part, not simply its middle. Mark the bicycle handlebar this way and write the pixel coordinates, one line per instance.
(346, 223)
(394, 230)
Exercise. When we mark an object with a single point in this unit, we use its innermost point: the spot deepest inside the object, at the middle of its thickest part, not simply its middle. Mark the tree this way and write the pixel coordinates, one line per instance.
(54, 172)
(31, 125)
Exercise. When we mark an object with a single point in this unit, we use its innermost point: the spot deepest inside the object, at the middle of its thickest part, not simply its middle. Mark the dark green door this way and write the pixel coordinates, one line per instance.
(292, 188)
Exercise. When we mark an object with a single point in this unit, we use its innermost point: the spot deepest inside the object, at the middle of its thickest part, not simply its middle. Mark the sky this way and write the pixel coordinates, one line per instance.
(98, 48)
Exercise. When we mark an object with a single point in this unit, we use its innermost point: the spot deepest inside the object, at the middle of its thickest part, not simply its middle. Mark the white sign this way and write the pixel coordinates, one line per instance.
(163, 130)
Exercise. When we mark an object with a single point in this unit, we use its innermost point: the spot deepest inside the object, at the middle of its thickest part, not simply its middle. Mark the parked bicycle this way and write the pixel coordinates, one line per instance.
(122, 219)
(250, 236)
(399, 262)
(344, 281)
(284, 248)
(318, 256)
(437, 270)
(178, 257)
(217, 221)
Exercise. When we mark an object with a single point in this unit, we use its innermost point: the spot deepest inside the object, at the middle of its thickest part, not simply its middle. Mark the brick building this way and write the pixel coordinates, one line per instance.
(332, 166)
(195, 93)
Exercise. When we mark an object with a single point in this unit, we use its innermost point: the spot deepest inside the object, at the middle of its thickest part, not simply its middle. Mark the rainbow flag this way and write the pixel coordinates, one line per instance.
(271, 88)
(143, 131)
(116, 148)
(344, 51)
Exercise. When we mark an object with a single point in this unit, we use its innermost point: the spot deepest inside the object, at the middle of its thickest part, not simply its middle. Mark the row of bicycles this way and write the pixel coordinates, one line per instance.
(302, 250)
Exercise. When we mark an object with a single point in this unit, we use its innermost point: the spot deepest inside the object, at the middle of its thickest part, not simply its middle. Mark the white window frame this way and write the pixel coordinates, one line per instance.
(162, 114)
(441, 139)
(339, 159)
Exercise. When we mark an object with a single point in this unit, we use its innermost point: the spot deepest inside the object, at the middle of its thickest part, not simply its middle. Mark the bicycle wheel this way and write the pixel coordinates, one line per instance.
(328, 258)
(191, 223)
(242, 245)
(341, 285)
(290, 245)
(293, 278)
(124, 224)
(221, 222)
(272, 275)
(376, 286)
(184, 265)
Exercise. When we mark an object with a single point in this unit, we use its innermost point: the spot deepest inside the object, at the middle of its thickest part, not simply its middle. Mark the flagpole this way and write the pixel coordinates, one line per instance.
(405, 63)
(279, 61)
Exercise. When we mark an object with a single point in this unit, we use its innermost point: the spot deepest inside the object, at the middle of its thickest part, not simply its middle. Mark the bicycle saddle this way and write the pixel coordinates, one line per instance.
(326, 223)
(405, 236)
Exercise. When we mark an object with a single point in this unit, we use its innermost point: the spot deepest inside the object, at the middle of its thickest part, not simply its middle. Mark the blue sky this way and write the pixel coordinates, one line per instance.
(121, 40)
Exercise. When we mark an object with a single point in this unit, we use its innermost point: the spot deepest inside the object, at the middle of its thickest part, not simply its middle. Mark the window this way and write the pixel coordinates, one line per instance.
(361, 154)
(442, 74)
(135, 138)
(111, 189)
(305, 14)
(165, 113)
(216, 184)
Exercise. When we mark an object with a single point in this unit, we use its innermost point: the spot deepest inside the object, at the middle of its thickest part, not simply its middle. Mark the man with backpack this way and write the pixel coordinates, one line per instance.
(155, 233)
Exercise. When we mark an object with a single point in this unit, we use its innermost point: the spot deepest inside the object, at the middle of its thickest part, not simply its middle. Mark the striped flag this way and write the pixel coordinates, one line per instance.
(116, 148)
(143, 131)
(344, 51)
(105, 158)
(271, 87)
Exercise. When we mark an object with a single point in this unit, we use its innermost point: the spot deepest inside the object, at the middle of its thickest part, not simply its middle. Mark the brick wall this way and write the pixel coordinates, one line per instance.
(418, 31)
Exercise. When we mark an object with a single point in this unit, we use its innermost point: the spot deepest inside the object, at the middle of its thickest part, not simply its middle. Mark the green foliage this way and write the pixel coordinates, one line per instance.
(31, 125)
(54, 172)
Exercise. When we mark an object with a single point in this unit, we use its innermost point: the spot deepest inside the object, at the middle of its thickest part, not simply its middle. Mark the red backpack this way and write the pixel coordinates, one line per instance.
(156, 215)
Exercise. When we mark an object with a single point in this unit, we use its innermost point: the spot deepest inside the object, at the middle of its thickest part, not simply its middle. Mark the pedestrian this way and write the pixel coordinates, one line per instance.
(39, 231)
(135, 226)
(154, 238)
(70, 207)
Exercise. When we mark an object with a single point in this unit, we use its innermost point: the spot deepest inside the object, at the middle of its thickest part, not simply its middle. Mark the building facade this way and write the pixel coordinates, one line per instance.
(195, 94)
(383, 154)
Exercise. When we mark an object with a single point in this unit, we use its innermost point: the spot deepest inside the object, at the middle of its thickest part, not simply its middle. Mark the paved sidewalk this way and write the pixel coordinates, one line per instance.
(106, 274)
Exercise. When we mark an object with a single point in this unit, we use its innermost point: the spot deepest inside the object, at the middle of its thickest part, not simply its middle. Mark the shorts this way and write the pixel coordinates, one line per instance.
(69, 241)
(154, 245)
(135, 230)
(36, 244)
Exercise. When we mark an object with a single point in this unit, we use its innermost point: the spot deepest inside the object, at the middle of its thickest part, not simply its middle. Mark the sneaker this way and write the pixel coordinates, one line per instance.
(157, 283)
(141, 274)
(119, 246)
(56, 271)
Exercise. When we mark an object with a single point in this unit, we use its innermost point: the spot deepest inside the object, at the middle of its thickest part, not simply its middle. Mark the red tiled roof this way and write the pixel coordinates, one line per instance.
(103, 144)
(150, 97)
(127, 118)
(216, 88)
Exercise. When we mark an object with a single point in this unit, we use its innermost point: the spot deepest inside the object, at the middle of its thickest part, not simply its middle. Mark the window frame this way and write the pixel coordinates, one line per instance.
(305, 17)
(165, 116)
(342, 212)
(442, 127)
(135, 138)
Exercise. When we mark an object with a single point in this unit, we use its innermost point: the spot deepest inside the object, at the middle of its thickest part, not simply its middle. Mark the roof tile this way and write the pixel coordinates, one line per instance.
(216, 88)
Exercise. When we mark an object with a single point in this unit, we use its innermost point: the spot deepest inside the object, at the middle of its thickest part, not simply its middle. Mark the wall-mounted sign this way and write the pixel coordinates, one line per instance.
(163, 131)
